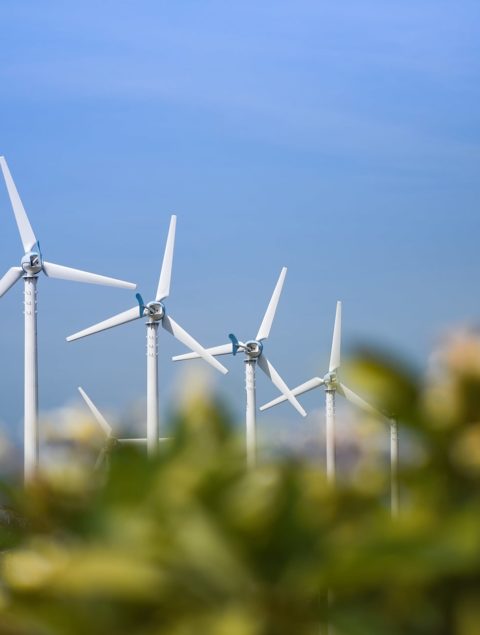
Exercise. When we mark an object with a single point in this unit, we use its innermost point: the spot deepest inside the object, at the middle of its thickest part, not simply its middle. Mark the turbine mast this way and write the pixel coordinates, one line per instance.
(31, 380)
(394, 491)
(330, 433)
(251, 428)
(152, 388)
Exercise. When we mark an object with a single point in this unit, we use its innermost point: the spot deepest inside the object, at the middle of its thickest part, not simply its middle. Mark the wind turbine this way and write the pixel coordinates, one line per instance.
(254, 355)
(332, 386)
(31, 265)
(111, 439)
(156, 314)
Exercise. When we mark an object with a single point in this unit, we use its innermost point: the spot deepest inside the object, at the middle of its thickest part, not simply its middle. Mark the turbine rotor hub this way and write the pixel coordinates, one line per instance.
(32, 263)
(253, 349)
(154, 310)
(330, 380)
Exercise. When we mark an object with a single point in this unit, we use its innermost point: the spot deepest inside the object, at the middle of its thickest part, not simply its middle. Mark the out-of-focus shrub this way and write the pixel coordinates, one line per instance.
(193, 543)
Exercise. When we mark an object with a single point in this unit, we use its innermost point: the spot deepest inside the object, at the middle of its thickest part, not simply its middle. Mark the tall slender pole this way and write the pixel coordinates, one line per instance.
(31, 380)
(394, 490)
(330, 449)
(330, 433)
(152, 388)
(251, 439)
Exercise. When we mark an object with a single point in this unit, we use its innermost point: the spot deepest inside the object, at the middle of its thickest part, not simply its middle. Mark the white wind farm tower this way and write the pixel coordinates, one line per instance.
(253, 350)
(332, 385)
(156, 314)
(32, 264)
(110, 437)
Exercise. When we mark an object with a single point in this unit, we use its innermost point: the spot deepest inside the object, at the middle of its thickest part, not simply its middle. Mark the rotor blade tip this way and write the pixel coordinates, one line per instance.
(220, 367)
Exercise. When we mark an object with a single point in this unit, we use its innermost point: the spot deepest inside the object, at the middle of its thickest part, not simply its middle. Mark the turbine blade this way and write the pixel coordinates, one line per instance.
(25, 229)
(358, 401)
(336, 340)
(102, 458)
(163, 290)
(266, 325)
(116, 320)
(180, 334)
(9, 279)
(299, 390)
(99, 418)
(67, 273)
(273, 375)
(223, 349)
(133, 441)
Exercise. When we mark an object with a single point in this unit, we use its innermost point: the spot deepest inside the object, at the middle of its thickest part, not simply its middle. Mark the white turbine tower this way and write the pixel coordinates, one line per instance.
(32, 264)
(156, 314)
(111, 438)
(253, 350)
(332, 386)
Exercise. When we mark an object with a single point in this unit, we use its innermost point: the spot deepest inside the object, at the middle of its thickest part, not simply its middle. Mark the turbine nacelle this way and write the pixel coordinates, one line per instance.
(330, 380)
(155, 311)
(252, 349)
(32, 262)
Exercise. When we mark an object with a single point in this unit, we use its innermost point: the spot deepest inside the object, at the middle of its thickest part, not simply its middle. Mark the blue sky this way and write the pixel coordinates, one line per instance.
(340, 140)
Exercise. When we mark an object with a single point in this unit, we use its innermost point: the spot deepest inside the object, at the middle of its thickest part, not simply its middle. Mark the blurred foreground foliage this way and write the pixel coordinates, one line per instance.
(192, 543)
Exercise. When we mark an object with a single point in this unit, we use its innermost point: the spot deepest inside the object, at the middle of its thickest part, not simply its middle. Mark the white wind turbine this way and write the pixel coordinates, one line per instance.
(156, 314)
(32, 264)
(111, 438)
(253, 350)
(332, 386)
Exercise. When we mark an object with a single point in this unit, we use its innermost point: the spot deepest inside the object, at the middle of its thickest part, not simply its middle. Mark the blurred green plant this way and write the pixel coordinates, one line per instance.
(193, 543)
